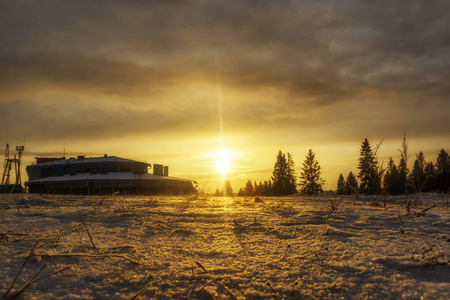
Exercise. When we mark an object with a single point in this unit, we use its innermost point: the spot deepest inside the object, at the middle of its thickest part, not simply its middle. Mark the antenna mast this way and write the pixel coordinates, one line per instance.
(8, 165)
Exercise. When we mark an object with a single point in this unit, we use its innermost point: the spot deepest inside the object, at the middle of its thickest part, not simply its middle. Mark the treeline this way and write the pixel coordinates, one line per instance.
(284, 179)
(396, 179)
(372, 177)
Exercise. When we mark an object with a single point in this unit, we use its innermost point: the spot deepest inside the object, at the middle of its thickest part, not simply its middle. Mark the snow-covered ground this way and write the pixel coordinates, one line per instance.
(224, 248)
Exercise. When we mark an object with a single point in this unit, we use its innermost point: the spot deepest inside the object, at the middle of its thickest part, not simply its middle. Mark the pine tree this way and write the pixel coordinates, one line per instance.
(249, 190)
(341, 185)
(403, 171)
(430, 178)
(218, 193)
(443, 171)
(368, 170)
(279, 174)
(291, 176)
(241, 193)
(284, 181)
(391, 179)
(227, 190)
(267, 188)
(258, 189)
(310, 180)
(417, 176)
(351, 184)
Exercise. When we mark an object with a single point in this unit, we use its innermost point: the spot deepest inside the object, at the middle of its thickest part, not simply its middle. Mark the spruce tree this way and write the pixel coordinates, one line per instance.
(368, 170)
(391, 179)
(284, 181)
(417, 176)
(351, 184)
(258, 189)
(310, 180)
(430, 178)
(341, 190)
(267, 189)
(227, 190)
(249, 190)
(443, 171)
(403, 171)
(291, 176)
(279, 174)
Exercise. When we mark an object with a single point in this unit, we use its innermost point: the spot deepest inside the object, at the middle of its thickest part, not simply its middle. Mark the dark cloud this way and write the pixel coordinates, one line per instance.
(85, 121)
(297, 64)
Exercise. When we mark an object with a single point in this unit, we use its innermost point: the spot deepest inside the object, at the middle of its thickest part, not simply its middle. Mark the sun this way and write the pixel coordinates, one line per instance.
(223, 161)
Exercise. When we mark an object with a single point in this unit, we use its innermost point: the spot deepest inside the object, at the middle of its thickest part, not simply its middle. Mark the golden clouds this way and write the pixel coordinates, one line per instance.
(291, 73)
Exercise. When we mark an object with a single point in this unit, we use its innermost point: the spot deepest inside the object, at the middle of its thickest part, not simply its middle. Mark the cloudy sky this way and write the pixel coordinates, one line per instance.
(173, 82)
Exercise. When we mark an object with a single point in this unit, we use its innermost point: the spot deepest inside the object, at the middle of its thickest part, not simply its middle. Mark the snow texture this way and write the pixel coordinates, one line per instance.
(117, 247)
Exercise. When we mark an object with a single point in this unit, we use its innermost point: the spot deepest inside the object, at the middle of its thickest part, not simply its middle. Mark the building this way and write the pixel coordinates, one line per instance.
(102, 175)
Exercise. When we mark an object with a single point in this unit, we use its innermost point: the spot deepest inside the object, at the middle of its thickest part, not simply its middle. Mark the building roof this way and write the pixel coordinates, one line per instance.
(83, 160)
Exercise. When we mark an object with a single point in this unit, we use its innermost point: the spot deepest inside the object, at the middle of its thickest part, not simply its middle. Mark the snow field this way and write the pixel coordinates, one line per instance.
(225, 248)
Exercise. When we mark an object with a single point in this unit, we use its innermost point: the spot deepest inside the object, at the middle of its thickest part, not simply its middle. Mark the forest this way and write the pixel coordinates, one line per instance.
(372, 177)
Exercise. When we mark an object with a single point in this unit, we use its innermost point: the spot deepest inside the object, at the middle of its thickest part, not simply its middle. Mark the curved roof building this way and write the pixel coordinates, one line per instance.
(102, 175)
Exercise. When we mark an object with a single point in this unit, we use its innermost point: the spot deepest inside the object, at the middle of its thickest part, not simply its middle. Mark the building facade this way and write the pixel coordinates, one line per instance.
(102, 175)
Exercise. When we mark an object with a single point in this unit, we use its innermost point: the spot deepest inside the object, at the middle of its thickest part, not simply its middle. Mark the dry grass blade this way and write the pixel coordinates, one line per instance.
(21, 268)
(200, 265)
(88, 231)
(293, 288)
(335, 206)
(20, 291)
(51, 274)
(427, 209)
(236, 223)
(272, 289)
(88, 255)
(286, 252)
(208, 283)
(313, 253)
(140, 291)
(222, 287)
(400, 218)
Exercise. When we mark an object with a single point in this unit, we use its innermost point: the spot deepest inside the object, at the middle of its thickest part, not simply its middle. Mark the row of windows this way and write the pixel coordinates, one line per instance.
(97, 168)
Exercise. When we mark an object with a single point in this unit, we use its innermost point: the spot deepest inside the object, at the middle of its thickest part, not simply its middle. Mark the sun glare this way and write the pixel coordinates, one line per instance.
(223, 161)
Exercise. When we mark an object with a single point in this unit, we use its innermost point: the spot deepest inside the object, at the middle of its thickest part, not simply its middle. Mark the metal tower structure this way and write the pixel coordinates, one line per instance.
(9, 164)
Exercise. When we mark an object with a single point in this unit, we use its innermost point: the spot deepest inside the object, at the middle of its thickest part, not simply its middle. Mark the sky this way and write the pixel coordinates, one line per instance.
(177, 82)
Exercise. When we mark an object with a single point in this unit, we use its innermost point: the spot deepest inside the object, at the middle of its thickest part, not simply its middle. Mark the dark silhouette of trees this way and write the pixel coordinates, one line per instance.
(291, 176)
(443, 171)
(227, 190)
(430, 178)
(256, 189)
(310, 180)
(351, 184)
(403, 171)
(397, 180)
(249, 190)
(267, 188)
(369, 174)
(391, 180)
(284, 181)
(341, 189)
(259, 189)
(373, 178)
(417, 176)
